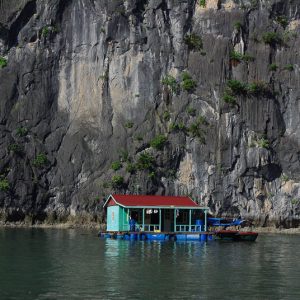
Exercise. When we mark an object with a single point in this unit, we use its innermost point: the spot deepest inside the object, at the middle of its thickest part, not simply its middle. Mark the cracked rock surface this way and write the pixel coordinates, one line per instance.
(91, 83)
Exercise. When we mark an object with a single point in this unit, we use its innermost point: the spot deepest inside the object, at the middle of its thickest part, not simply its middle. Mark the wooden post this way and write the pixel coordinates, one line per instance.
(205, 220)
(159, 219)
(143, 219)
(174, 219)
(190, 221)
(123, 213)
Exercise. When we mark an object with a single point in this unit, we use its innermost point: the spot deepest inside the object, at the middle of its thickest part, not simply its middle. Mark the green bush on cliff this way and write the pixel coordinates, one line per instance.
(239, 57)
(289, 67)
(128, 124)
(159, 142)
(237, 25)
(166, 116)
(171, 82)
(282, 20)
(4, 185)
(202, 3)
(130, 168)
(191, 111)
(117, 181)
(237, 87)
(263, 143)
(116, 165)
(272, 38)
(193, 41)
(46, 30)
(145, 161)
(3, 62)
(40, 161)
(195, 129)
(273, 67)
(21, 131)
(228, 98)
(177, 127)
(258, 88)
(188, 84)
(15, 148)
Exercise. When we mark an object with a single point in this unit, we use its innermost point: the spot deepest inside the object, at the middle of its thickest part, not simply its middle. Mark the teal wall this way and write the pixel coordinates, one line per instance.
(113, 217)
(124, 219)
(117, 219)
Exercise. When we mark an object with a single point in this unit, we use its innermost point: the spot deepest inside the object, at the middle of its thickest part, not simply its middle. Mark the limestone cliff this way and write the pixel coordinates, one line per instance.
(150, 96)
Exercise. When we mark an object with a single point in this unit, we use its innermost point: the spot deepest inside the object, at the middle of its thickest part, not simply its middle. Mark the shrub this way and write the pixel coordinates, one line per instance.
(237, 25)
(130, 168)
(128, 124)
(229, 98)
(273, 67)
(158, 142)
(191, 111)
(239, 57)
(178, 127)
(40, 161)
(46, 30)
(272, 38)
(202, 3)
(194, 42)
(283, 21)
(117, 181)
(248, 58)
(116, 165)
(138, 138)
(202, 121)
(152, 175)
(289, 67)
(188, 84)
(258, 88)
(4, 185)
(171, 82)
(15, 148)
(124, 155)
(166, 116)
(145, 161)
(3, 62)
(22, 131)
(263, 143)
(196, 131)
(237, 87)
(295, 201)
(285, 178)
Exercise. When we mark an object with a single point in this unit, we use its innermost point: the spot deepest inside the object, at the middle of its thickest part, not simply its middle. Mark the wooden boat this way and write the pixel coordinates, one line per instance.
(235, 235)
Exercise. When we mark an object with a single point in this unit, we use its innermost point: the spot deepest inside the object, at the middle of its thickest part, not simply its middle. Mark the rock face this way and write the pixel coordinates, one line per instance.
(90, 89)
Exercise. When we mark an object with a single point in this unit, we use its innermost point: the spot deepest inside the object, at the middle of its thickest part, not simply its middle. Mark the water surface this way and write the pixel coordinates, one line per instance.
(75, 264)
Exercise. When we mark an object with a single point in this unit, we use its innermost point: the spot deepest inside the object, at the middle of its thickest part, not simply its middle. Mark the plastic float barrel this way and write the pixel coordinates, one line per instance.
(199, 225)
(142, 236)
(210, 237)
(107, 235)
(193, 237)
(120, 236)
(203, 237)
(181, 237)
(156, 236)
(133, 236)
(126, 236)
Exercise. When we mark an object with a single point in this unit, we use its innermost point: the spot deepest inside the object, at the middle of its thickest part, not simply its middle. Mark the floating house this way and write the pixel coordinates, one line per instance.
(168, 214)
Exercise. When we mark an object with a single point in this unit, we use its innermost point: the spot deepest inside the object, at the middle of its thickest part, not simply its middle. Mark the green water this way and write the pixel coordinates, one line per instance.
(74, 264)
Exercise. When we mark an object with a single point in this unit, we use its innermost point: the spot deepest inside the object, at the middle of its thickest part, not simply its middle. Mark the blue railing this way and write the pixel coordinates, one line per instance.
(188, 228)
(151, 227)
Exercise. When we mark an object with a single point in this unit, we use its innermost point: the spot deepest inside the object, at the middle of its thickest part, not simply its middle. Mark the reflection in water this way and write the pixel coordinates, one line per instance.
(72, 264)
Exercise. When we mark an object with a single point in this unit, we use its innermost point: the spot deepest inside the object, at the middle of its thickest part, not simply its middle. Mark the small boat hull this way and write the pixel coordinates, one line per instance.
(234, 235)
